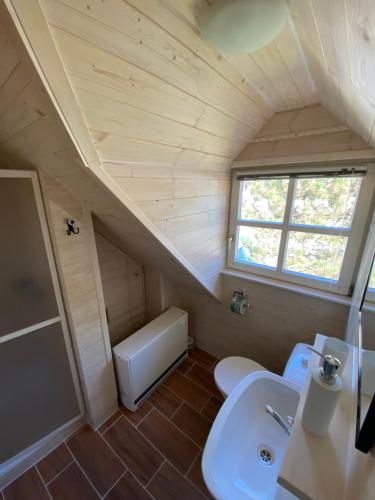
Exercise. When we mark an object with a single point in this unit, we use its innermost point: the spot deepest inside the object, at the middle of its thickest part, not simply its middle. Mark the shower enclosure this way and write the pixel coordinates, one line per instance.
(39, 390)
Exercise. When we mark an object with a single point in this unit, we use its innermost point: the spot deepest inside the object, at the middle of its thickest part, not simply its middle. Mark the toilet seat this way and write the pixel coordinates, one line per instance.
(229, 371)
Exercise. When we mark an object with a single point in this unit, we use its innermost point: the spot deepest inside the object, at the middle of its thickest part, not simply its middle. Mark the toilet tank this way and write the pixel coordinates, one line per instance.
(147, 357)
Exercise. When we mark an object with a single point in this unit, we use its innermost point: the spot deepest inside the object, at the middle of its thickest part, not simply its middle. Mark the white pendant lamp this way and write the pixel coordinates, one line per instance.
(243, 26)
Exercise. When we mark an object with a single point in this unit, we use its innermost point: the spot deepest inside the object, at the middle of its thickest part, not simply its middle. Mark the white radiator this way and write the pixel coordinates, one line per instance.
(147, 357)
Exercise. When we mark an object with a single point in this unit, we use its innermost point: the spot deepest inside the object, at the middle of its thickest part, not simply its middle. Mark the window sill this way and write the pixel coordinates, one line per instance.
(291, 287)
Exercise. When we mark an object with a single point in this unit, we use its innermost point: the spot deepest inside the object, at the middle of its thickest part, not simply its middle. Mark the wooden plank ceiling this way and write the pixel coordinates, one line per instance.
(33, 136)
(338, 40)
(167, 113)
(142, 72)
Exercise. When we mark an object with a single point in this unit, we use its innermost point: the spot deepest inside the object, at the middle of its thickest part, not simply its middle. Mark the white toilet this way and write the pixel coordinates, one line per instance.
(230, 371)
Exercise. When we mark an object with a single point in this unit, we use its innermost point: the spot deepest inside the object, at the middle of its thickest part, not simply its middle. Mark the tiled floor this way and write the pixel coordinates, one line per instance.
(153, 453)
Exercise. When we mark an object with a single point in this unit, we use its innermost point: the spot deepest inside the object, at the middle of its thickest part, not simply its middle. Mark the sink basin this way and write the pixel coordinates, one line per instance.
(246, 446)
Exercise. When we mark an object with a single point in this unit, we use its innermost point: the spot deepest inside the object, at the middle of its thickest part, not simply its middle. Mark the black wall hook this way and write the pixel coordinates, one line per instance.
(72, 229)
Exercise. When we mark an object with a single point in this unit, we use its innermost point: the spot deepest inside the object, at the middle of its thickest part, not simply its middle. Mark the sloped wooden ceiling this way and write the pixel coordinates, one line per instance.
(167, 113)
(33, 135)
(338, 39)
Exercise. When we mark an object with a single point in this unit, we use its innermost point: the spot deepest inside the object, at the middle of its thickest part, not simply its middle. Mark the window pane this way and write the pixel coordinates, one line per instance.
(315, 254)
(258, 246)
(264, 199)
(325, 201)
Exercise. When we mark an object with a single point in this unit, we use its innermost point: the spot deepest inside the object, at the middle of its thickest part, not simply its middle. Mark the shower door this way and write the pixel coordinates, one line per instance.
(39, 392)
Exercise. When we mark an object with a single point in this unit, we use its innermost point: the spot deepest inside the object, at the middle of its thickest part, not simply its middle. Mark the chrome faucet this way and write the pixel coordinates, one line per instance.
(285, 424)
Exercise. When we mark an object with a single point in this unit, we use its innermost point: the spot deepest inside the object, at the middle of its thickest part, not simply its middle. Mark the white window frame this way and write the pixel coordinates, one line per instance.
(355, 234)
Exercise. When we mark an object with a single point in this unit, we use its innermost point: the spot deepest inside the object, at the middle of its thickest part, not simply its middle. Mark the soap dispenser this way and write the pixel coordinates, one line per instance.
(322, 395)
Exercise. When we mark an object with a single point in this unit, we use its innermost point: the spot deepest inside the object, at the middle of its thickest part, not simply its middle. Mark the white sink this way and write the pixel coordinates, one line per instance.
(242, 433)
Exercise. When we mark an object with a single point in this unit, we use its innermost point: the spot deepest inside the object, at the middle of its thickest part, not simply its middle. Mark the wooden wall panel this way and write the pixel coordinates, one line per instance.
(190, 208)
(303, 132)
(307, 120)
(82, 298)
(123, 288)
(305, 145)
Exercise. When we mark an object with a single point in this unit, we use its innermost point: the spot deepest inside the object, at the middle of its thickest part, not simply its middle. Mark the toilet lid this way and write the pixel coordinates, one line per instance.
(229, 371)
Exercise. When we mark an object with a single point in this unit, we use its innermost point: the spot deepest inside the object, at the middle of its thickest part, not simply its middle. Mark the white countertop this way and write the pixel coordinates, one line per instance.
(316, 468)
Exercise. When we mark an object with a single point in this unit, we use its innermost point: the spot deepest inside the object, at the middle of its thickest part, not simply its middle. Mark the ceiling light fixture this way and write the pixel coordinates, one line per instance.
(243, 26)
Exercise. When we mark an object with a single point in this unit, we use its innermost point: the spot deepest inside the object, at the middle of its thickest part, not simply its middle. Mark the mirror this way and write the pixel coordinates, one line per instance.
(366, 388)
(362, 324)
(368, 337)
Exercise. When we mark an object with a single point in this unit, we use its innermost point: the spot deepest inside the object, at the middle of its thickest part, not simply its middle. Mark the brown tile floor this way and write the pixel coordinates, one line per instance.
(153, 453)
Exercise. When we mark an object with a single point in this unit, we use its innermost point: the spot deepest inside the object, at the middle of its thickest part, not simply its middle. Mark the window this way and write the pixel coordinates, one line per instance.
(303, 226)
